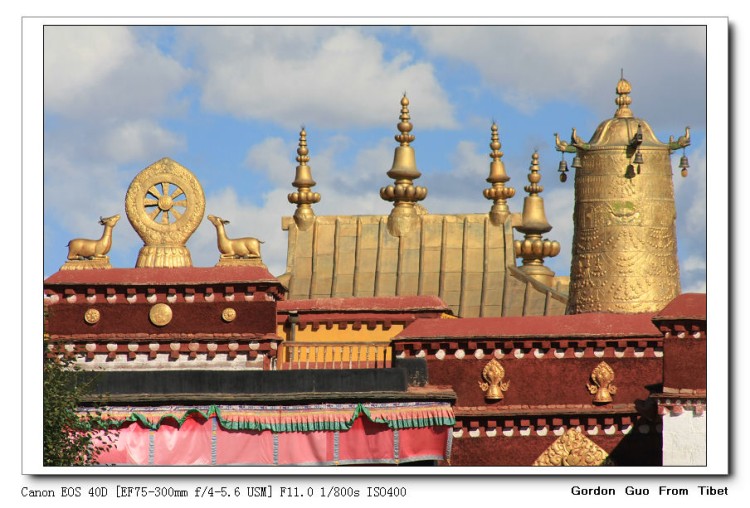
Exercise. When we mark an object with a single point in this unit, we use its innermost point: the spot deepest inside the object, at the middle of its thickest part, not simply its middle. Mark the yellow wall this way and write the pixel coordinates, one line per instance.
(323, 334)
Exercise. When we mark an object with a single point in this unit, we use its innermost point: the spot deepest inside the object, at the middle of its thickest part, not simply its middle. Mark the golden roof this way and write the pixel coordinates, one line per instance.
(466, 260)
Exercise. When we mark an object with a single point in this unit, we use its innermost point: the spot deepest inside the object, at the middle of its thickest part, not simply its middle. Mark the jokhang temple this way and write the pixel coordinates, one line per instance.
(406, 338)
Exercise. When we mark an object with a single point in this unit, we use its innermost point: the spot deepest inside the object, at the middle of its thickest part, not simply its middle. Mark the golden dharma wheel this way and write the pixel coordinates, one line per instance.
(165, 203)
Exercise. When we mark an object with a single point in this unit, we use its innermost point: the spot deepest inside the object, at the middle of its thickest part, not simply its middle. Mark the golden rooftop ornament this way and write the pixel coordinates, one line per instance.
(404, 171)
(533, 248)
(165, 205)
(85, 254)
(624, 237)
(498, 193)
(235, 251)
(304, 216)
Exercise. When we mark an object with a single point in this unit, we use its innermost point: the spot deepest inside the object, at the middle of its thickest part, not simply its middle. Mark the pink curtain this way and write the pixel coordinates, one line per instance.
(205, 442)
(250, 447)
(189, 444)
(366, 442)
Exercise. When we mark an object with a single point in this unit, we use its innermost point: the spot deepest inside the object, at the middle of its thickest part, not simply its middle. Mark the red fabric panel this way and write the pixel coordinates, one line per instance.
(130, 446)
(249, 447)
(302, 448)
(188, 445)
(429, 442)
(366, 440)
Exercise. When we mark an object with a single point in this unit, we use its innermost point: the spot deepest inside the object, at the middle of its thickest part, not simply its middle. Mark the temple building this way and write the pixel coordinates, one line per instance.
(430, 339)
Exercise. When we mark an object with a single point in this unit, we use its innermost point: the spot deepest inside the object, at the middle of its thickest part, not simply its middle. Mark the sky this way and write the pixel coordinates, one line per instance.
(228, 102)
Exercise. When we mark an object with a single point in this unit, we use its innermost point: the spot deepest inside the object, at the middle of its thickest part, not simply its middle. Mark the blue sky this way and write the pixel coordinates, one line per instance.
(228, 103)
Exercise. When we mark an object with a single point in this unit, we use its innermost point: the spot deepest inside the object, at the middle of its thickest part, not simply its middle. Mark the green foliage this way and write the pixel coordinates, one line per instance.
(70, 439)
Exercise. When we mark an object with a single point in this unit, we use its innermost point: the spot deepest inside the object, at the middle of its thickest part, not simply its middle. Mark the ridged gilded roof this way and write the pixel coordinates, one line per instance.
(466, 260)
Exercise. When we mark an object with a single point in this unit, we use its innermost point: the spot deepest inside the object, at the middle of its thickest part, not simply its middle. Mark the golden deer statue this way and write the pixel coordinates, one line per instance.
(234, 248)
(82, 248)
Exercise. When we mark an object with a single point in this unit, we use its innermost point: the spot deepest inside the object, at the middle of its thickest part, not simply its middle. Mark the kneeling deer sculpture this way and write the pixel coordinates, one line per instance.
(234, 247)
(82, 248)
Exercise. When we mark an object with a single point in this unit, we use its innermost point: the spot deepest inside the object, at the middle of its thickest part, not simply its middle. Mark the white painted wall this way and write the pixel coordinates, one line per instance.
(684, 439)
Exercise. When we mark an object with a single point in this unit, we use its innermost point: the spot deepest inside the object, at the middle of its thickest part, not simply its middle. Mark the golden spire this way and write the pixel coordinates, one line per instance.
(303, 181)
(404, 171)
(623, 99)
(533, 249)
(499, 193)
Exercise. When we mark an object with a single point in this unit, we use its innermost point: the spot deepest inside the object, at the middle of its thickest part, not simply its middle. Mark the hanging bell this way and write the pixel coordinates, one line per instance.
(563, 169)
(576, 162)
(684, 165)
(638, 158)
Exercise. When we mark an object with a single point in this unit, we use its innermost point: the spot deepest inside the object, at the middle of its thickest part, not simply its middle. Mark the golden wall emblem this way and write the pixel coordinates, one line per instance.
(228, 314)
(92, 316)
(573, 449)
(160, 314)
(602, 387)
(493, 374)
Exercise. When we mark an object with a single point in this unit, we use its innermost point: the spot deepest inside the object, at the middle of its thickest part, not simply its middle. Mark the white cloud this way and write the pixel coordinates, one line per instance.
(696, 287)
(138, 140)
(106, 74)
(271, 157)
(79, 59)
(529, 66)
(694, 263)
(327, 76)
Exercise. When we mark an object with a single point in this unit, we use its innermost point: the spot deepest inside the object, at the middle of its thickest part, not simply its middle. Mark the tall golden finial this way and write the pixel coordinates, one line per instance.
(499, 193)
(533, 249)
(403, 193)
(623, 99)
(304, 197)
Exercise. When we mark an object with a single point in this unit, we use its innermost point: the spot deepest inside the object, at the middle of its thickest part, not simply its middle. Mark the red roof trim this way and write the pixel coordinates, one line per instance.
(162, 276)
(685, 306)
(578, 325)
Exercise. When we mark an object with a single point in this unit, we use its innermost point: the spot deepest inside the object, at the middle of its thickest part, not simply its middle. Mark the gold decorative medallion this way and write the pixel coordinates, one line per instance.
(160, 314)
(92, 316)
(228, 314)
(602, 389)
(573, 449)
(165, 205)
(493, 373)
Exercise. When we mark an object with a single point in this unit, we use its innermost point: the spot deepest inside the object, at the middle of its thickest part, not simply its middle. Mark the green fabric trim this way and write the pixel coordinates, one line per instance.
(310, 424)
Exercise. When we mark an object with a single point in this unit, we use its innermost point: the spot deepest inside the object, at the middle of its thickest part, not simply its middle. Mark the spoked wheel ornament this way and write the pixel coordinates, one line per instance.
(165, 205)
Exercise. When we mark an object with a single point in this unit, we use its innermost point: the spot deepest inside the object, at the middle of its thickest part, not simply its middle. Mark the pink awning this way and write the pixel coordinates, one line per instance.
(386, 433)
